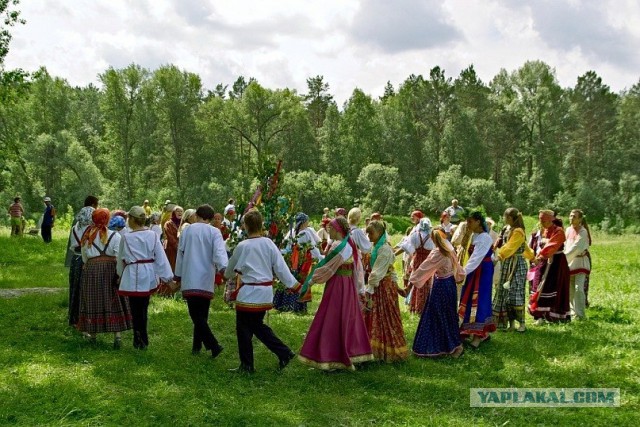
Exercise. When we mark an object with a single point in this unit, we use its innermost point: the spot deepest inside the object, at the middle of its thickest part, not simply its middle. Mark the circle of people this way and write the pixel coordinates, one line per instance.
(463, 279)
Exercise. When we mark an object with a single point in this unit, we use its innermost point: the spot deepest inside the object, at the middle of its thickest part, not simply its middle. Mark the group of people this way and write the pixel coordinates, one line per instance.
(463, 281)
(18, 222)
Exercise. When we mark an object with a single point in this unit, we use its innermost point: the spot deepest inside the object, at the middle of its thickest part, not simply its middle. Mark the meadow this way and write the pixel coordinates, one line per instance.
(49, 375)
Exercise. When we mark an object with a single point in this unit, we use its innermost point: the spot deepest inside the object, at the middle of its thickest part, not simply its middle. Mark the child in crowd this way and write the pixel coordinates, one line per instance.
(256, 259)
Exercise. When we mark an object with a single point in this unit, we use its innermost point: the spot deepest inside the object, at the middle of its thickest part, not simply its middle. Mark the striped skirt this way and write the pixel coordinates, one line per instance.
(101, 308)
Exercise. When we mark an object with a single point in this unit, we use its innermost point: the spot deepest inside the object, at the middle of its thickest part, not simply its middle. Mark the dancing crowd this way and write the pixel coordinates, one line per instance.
(463, 279)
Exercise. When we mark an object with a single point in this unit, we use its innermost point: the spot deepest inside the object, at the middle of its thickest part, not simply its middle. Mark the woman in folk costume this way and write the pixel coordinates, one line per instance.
(418, 244)
(550, 286)
(361, 240)
(446, 225)
(337, 338)
(323, 235)
(382, 316)
(461, 240)
(576, 248)
(141, 261)
(75, 271)
(154, 224)
(171, 235)
(475, 311)
(303, 243)
(101, 309)
(438, 333)
(188, 218)
(509, 296)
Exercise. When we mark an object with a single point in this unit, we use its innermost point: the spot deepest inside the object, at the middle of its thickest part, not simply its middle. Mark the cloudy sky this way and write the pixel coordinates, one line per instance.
(352, 43)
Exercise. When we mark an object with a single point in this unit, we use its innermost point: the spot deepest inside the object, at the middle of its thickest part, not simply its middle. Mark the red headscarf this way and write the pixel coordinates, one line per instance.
(100, 219)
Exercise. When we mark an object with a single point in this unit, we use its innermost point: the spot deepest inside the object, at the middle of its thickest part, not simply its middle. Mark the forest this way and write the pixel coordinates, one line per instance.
(518, 140)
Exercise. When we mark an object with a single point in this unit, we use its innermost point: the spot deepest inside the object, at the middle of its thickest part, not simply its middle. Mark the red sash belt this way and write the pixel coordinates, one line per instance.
(258, 284)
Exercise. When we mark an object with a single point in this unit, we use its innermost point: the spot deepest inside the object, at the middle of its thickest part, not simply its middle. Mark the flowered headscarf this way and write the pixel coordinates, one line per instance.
(425, 225)
(84, 216)
(301, 218)
(100, 219)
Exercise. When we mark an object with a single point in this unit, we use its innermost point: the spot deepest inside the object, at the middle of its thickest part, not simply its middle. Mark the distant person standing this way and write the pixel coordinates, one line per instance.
(455, 212)
(147, 208)
(16, 211)
(48, 220)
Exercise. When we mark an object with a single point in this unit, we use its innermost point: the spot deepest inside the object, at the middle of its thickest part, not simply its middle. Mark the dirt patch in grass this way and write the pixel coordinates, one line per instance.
(15, 293)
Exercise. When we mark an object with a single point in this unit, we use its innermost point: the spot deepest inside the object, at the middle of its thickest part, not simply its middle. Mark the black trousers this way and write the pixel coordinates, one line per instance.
(139, 316)
(249, 324)
(199, 312)
(45, 231)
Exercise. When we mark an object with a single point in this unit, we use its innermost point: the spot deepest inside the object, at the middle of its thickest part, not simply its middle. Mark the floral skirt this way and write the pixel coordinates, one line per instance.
(384, 323)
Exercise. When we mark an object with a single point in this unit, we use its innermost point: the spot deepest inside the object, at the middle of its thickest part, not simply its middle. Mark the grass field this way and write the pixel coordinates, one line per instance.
(50, 376)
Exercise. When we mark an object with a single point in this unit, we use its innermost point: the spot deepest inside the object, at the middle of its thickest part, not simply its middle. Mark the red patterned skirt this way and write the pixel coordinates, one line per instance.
(384, 323)
(419, 296)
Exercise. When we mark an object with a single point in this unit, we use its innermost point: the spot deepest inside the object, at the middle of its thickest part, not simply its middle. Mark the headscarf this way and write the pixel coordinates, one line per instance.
(120, 212)
(100, 219)
(376, 216)
(116, 223)
(425, 225)
(341, 212)
(301, 218)
(155, 217)
(174, 218)
(84, 216)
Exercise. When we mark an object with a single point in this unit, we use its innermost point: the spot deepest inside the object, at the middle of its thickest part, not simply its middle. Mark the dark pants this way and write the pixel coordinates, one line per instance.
(249, 324)
(139, 314)
(199, 312)
(45, 231)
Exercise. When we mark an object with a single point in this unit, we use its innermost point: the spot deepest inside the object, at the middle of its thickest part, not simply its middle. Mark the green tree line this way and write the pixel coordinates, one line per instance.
(520, 139)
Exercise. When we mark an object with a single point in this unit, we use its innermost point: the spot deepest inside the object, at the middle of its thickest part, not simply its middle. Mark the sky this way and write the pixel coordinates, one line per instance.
(351, 43)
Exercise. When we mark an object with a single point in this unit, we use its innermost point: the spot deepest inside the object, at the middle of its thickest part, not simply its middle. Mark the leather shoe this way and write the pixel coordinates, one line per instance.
(242, 369)
(216, 351)
(284, 362)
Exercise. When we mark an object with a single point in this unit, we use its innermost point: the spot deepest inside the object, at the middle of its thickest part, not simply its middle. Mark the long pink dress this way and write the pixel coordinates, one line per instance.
(338, 336)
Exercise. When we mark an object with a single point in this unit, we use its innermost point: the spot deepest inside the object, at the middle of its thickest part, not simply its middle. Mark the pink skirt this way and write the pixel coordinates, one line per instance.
(338, 336)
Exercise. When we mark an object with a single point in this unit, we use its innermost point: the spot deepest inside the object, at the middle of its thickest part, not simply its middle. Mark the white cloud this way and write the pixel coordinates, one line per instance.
(351, 43)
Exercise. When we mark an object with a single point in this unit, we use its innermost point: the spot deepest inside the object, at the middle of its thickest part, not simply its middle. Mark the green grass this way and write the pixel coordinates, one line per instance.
(50, 376)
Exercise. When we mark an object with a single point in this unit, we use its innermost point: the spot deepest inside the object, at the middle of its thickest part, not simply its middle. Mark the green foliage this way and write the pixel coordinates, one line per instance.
(311, 192)
(380, 186)
(521, 140)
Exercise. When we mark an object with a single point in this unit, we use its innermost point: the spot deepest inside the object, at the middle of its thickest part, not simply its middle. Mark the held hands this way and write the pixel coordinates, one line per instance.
(295, 289)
